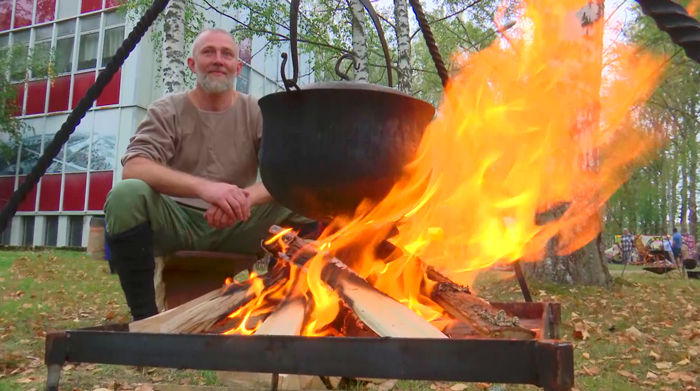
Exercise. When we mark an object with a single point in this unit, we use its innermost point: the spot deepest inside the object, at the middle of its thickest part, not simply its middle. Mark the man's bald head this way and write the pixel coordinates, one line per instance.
(208, 31)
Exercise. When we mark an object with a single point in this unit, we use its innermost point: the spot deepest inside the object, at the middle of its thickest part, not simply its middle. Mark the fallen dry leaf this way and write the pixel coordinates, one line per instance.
(626, 374)
(145, 387)
(25, 380)
(633, 333)
(654, 355)
(694, 351)
(580, 331)
(683, 362)
(459, 387)
(483, 386)
(101, 389)
(663, 365)
(387, 385)
(682, 376)
(593, 371)
(586, 355)
(636, 361)
(652, 376)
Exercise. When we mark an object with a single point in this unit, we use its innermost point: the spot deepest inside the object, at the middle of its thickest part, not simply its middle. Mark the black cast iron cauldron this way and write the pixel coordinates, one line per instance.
(327, 147)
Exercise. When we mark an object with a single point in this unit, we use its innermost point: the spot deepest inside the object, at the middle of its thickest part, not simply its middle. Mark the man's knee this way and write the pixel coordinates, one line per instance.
(127, 205)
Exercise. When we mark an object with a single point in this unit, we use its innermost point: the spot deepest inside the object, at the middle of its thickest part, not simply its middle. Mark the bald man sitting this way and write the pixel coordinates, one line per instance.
(201, 145)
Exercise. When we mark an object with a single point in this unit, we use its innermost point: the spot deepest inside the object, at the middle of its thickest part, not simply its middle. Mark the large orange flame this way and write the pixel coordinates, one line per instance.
(529, 123)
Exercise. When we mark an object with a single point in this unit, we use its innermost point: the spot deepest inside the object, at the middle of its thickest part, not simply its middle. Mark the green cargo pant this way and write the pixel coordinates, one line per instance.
(132, 202)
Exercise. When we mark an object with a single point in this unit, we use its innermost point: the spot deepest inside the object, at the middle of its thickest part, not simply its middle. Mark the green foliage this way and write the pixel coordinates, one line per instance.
(18, 66)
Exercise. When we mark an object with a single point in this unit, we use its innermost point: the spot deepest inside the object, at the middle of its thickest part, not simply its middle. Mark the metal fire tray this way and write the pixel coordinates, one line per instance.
(546, 362)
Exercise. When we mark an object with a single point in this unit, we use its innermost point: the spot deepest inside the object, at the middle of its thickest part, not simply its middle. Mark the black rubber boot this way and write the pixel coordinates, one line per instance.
(133, 257)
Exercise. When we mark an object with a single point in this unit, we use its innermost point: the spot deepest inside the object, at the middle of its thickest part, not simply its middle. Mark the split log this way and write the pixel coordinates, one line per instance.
(202, 313)
(152, 324)
(287, 319)
(384, 315)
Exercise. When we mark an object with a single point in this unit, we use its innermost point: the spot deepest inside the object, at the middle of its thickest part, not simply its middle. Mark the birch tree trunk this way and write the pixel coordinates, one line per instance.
(586, 266)
(359, 41)
(174, 56)
(684, 191)
(673, 186)
(692, 178)
(403, 40)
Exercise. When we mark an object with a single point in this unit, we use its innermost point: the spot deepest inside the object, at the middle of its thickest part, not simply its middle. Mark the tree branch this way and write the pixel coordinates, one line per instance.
(447, 17)
(281, 37)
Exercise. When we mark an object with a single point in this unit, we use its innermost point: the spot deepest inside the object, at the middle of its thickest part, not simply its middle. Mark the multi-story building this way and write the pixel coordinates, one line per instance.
(85, 34)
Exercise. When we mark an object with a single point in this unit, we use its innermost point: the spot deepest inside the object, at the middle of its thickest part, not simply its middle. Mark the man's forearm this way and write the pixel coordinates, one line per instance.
(258, 194)
(163, 179)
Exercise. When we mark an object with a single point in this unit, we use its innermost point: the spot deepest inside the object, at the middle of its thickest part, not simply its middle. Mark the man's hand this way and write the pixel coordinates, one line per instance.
(226, 200)
(216, 218)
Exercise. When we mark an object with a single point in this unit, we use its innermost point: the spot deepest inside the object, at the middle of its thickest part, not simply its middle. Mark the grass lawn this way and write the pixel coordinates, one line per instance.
(642, 335)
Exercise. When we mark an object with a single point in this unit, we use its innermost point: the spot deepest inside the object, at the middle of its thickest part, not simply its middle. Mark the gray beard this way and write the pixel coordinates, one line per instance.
(214, 86)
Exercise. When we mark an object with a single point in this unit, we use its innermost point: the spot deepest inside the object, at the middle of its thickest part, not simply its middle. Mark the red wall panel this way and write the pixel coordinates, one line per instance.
(23, 13)
(100, 185)
(36, 97)
(7, 187)
(59, 93)
(113, 3)
(29, 203)
(45, 10)
(50, 195)
(74, 191)
(19, 98)
(5, 14)
(110, 95)
(90, 5)
(81, 83)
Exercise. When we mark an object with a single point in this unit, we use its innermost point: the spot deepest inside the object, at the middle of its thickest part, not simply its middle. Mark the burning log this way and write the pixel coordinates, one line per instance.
(477, 316)
(478, 313)
(204, 312)
(288, 319)
(381, 313)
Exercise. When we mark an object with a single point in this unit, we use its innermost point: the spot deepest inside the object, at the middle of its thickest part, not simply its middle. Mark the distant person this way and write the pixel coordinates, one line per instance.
(626, 245)
(676, 244)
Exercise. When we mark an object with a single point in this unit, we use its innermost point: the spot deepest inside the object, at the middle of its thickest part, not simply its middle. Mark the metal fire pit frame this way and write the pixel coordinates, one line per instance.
(546, 362)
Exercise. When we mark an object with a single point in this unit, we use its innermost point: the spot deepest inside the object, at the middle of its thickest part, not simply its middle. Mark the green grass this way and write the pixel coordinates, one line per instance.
(58, 290)
(54, 290)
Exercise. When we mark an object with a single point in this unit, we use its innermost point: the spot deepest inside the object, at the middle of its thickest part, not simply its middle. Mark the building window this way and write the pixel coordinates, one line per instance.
(51, 231)
(75, 231)
(19, 53)
(27, 230)
(112, 41)
(89, 40)
(64, 46)
(68, 8)
(41, 53)
(243, 79)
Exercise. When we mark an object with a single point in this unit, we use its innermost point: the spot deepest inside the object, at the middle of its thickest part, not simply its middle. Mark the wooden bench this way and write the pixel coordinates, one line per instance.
(186, 275)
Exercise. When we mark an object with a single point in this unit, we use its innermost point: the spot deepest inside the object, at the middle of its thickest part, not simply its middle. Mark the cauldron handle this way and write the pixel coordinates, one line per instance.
(382, 38)
(293, 21)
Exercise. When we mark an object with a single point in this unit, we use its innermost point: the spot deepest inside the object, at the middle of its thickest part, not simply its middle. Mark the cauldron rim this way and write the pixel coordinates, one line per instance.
(349, 86)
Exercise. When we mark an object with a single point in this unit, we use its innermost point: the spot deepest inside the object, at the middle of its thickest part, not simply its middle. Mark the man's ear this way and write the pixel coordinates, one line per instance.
(190, 63)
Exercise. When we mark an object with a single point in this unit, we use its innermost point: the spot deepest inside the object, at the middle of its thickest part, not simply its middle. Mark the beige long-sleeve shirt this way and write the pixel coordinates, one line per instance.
(221, 146)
